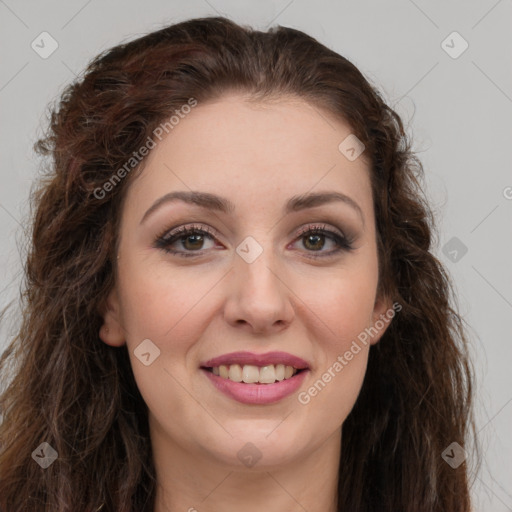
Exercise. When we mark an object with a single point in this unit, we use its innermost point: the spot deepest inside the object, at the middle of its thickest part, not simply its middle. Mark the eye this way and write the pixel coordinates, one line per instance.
(191, 239)
(313, 238)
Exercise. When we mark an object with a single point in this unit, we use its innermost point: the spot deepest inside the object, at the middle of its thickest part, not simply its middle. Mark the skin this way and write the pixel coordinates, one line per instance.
(257, 155)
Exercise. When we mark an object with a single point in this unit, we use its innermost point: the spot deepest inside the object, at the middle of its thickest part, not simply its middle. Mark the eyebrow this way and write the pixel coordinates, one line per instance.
(217, 203)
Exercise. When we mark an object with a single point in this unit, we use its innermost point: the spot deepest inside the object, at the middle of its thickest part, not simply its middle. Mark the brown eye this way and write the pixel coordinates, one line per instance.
(314, 240)
(192, 242)
(189, 240)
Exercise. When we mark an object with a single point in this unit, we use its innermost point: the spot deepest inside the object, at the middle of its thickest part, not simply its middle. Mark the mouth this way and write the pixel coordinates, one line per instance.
(252, 374)
(256, 379)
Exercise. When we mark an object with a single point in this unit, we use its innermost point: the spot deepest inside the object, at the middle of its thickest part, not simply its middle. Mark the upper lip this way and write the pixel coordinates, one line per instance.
(243, 358)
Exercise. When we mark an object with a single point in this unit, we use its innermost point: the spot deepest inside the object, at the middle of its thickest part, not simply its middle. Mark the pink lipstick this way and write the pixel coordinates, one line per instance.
(256, 379)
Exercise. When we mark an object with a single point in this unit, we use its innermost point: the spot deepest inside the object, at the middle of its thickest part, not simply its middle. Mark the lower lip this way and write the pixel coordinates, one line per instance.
(257, 394)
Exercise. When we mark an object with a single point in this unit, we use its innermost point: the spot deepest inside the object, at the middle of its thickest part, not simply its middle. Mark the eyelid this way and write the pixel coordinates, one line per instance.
(319, 227)
(171, 232)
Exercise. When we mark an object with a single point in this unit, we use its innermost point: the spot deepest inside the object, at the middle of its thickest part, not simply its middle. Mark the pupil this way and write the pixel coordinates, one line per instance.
(317, 237)
(196, 238)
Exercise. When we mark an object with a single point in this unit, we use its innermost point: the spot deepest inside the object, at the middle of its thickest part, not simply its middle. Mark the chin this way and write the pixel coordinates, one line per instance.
(255, 448)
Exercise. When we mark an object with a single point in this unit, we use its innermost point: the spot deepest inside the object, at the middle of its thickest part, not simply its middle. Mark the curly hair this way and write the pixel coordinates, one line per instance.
(68, 388)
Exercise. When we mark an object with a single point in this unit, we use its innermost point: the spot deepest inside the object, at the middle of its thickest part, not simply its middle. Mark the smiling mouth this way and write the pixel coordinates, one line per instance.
(251, 374)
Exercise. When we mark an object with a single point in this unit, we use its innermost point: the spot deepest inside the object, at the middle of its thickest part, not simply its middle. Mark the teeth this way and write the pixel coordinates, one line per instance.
(235, 373)
(267, 375)
(251, 374)
(280, 371)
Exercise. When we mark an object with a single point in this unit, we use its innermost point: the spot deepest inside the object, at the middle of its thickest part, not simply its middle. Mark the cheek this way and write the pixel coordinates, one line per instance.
(162, 304)
(342, 301)
(342, 314)
(165, 308)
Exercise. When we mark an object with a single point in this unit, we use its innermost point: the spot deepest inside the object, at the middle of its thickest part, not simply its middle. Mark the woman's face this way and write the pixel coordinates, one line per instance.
(250, 279)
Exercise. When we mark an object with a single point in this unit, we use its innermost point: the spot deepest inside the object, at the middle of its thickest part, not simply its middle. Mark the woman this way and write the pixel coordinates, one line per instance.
(230, 299)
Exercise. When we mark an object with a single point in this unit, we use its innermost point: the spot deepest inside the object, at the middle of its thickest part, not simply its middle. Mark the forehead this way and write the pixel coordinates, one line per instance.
(254, 153)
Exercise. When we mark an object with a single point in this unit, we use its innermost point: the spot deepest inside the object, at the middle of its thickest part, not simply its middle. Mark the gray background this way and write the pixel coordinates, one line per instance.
(458, 110)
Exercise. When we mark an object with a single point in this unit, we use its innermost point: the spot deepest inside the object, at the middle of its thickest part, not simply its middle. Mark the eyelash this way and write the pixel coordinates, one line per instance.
(166, 239)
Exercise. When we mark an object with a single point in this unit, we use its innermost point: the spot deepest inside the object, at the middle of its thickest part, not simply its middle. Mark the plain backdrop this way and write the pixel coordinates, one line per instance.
(453, 90)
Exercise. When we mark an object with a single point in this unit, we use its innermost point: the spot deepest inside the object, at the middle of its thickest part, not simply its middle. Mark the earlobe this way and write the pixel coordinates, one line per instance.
(382, 316)
(111, 331)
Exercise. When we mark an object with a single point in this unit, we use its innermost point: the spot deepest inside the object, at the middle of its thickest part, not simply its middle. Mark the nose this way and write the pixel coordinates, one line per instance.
(259, 299)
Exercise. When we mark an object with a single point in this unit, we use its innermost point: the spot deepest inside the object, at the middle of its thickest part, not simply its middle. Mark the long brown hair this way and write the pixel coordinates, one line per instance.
(71, 390)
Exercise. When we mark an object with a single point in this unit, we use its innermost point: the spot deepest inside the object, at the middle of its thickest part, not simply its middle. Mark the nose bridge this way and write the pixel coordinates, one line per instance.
(258, 294)
(256, 263)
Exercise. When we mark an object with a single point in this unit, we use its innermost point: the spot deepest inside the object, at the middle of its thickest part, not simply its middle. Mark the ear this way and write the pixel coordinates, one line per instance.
(382, 315)
(111, 332)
